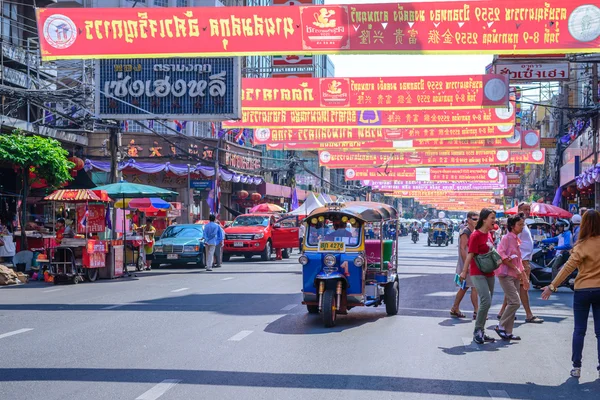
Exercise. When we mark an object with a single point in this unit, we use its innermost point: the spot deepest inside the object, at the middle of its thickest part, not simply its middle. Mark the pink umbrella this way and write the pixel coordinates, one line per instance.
(543, 210)
(266, 208)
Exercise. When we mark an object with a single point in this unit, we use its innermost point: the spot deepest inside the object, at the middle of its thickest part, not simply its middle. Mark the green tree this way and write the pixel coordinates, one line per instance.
(43, 156)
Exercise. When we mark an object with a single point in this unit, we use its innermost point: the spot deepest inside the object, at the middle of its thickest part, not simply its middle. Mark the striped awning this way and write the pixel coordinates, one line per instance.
(79, 195)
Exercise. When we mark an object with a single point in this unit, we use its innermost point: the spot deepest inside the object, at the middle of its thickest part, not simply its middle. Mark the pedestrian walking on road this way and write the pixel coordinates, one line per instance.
(463, 250)
(481, 242)
(586, 258)
(211, 240)
(510, 276)
(219, 247)
(148, 232)
(526, 253)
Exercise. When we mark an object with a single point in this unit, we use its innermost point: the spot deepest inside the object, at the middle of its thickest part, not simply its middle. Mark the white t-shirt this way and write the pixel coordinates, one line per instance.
(526, 244)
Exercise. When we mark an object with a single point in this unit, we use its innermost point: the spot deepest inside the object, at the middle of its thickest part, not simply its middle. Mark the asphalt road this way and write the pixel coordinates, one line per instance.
(240, 332)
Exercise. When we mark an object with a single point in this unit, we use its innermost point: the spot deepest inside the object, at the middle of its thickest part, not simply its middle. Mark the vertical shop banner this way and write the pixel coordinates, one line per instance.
(300, 136)
(560, 26)
(424, 174)
(95, 220)
(372, 117)
(337, 159)
(394, 93)
(182, 89)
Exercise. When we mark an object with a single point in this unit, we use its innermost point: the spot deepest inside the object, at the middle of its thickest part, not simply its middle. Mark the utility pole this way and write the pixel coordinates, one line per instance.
(115, 145)
(216, 179)
(595, 127)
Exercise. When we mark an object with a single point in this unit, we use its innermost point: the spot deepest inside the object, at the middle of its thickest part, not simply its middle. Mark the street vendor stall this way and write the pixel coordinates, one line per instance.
(80, 256)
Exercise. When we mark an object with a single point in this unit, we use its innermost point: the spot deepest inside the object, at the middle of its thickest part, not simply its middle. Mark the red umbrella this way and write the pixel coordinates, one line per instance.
(543, 210)
(266, 208)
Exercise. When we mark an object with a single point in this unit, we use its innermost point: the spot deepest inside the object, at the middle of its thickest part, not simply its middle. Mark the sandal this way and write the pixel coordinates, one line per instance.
(501, 333)
(513, 337)
(488, 339)
(457, 314)
(534, 320)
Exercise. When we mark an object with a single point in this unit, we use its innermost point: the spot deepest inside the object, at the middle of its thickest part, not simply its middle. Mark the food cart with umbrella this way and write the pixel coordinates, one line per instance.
(125, 190)
(81, 256)
(134, 244)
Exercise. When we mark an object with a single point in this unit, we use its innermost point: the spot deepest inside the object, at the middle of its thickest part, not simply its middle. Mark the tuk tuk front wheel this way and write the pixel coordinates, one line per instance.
(392, 298)
(312, 309)
(329, 308)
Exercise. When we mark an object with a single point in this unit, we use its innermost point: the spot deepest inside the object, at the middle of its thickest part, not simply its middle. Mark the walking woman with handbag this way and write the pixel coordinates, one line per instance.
(481, 243)
(586, 258)
(510, 276)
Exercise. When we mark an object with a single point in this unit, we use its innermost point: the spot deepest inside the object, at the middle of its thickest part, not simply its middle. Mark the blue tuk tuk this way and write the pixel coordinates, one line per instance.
(440, 233)
(341, 269)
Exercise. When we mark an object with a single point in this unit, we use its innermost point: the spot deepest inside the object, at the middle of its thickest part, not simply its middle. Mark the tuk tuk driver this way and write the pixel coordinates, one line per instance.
(339, 231)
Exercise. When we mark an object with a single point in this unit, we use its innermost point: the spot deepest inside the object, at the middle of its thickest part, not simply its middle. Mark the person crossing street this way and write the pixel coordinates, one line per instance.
(211, 240)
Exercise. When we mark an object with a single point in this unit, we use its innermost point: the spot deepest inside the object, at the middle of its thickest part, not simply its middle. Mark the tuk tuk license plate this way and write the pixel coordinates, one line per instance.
(336, 247)
(172, 256)
(238, 244)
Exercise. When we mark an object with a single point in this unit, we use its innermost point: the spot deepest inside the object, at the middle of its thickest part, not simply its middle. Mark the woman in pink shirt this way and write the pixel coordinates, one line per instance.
(509, 275)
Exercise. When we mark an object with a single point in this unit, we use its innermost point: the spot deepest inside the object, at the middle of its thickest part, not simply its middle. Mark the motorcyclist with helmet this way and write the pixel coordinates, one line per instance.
(576, 221)
(563, 242)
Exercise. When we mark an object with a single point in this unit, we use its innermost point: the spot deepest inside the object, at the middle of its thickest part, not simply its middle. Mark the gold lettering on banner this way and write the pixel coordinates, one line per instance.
(368, 16)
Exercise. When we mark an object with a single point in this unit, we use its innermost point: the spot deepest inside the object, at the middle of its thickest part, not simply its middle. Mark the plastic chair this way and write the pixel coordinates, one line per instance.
(24, 257)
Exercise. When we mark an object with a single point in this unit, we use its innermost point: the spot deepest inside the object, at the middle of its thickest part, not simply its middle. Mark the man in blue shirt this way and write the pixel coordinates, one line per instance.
(219, 248)
(564, 243)
(211, 239)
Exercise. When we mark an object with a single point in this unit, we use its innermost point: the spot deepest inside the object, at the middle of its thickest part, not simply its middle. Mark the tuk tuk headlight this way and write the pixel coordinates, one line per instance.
(329, 260)
(303, 259)
(359, 261)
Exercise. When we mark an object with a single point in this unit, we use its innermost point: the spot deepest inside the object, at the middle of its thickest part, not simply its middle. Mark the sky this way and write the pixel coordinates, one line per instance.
(409, 65)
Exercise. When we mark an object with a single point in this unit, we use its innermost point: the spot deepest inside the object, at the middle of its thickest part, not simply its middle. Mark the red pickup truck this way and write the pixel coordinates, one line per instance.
(259, 234)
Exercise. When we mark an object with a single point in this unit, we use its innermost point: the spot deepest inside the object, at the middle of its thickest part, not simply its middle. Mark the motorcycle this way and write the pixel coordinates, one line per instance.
(415, 236)
(541, 269)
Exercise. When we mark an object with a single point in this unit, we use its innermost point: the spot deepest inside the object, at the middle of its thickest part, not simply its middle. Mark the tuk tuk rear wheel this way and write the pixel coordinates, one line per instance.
(329, 308)
(312, 309)
(392, 298)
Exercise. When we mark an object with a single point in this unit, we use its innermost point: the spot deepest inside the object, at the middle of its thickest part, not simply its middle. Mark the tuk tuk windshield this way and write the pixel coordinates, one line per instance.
(440, 226)
(334, 230)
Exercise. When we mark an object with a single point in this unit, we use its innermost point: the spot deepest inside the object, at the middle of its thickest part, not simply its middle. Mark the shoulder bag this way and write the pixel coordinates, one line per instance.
(488, 262)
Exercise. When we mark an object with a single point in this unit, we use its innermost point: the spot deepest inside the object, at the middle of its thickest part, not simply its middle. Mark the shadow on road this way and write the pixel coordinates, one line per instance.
(364, 383)
(312, 324)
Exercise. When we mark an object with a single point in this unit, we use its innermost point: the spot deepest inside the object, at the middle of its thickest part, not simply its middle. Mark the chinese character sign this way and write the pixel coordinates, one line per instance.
(194, 89)
(492, 27)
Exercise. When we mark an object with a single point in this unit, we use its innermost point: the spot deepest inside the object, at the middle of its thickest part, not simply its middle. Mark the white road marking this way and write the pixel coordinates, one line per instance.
(52, 290)
(227, 279)
(159, 389)
(288, 307)
(498, 394)
(15, 332)
(441, 294)
(239, 336)
(113, 307)
(180, 290)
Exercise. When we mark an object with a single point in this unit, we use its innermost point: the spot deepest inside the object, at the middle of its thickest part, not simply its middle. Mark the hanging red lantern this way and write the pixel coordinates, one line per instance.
(242, 194)
(255, 196)
(572, 189)
(565, 193)
(79, 164)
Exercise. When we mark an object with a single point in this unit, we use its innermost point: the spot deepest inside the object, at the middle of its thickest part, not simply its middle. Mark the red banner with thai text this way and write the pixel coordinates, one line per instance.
(424, 174)
(491, 27)
(337, 159)
(260, 118)
(327, 135)
(394, 93)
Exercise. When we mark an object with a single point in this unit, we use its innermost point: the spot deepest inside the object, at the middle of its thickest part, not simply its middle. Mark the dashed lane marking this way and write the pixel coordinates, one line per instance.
(227, 279)
(7, 334)
(158, 390)
(52, 290)
(113, 307)
(239, 336)
(180, 290)
(288, 307)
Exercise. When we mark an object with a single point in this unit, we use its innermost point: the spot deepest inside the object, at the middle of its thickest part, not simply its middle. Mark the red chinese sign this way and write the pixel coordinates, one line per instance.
(492, 27)
(299, 136)
(424, 174)
(436, 92)
(94, 222)
(260, 118)
(534, 72)
(337, 159)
